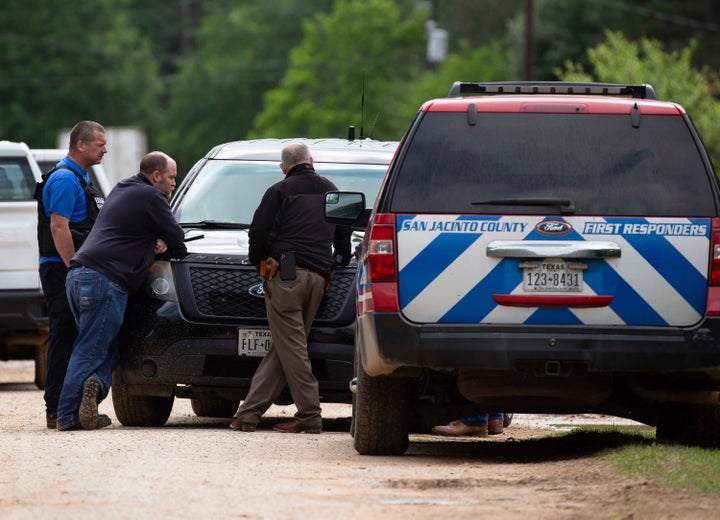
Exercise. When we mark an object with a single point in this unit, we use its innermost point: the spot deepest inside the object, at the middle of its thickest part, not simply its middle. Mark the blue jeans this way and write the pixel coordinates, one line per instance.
(481, 419)
(98, 305)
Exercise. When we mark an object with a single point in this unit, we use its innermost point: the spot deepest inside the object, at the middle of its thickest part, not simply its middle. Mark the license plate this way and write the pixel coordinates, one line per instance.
(253, 342)
(553, 275)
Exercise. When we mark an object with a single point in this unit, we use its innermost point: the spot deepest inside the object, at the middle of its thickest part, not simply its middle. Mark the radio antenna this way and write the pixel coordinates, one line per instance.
(362, 109)
(373, 125)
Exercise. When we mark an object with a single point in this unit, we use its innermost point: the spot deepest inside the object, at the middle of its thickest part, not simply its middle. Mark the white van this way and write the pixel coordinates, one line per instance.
(23, 318)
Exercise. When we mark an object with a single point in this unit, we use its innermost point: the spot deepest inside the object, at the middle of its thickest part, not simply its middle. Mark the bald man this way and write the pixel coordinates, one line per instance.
(289, 229)
(135, 224)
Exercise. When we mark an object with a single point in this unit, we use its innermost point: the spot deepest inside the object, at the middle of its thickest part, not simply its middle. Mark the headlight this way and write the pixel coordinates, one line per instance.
(160, 283)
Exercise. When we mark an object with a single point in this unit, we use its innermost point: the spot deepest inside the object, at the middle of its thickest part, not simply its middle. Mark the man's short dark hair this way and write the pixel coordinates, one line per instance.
(84, 131)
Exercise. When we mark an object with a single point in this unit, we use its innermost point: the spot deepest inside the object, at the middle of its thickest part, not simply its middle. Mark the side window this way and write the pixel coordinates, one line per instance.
(16, 180)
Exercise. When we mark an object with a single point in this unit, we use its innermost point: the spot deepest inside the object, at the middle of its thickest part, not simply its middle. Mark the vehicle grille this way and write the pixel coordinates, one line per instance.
(224, 293)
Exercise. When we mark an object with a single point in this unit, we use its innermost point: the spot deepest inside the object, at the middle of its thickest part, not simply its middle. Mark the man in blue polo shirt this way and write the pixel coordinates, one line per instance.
(68, 205)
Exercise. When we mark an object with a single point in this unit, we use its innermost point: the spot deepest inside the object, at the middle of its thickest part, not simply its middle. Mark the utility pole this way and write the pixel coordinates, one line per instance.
(528, 40)
(437, 39)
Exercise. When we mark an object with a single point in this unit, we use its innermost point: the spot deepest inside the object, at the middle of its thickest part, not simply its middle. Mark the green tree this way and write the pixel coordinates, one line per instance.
(564, 29)
(491, 62)
(363, 49)
(241, 52)
(169, 26)
(671, 74)
(476, 23)
(84, 61)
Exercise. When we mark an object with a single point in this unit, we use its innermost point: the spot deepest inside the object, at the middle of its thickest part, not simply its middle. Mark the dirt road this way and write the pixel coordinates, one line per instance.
(198, 468)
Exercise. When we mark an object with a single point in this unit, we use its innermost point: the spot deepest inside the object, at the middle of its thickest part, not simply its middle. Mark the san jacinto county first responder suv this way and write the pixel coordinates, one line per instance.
(542, 247)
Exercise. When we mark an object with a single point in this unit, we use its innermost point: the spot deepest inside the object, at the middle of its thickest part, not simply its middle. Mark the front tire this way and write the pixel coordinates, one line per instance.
(138, 410)
(380, 423)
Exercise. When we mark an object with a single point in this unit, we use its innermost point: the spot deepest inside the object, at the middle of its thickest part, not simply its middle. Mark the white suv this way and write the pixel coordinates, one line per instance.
(23, 320)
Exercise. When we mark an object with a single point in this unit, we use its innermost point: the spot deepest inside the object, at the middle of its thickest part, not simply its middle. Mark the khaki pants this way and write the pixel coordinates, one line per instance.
(291, 307)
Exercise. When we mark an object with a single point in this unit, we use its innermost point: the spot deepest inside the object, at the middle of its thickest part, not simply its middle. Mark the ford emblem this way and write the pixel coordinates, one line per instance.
(554, 227)
(257, 290)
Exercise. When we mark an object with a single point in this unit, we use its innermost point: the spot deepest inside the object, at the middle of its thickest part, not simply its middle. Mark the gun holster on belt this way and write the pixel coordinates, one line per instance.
(268, 268)
(328, 278)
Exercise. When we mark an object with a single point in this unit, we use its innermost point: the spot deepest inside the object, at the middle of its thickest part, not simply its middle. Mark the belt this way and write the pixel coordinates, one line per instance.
(74, 264)
(310, 270)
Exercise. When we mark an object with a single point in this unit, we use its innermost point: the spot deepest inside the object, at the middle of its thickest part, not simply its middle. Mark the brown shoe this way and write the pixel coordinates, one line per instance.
(495, 426)
(102, 421)
(242, 426)
(89, 405)
(297, 427)
(458, 428)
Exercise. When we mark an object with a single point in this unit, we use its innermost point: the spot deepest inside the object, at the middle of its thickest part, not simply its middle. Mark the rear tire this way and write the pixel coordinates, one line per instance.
(380, 413)
(214, 407)
(138, 410)
(41, 353)
(692, 425)
(352, 410)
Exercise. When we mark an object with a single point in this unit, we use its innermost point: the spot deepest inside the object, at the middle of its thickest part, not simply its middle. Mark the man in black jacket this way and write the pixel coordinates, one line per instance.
(289, 231)
(135, 225)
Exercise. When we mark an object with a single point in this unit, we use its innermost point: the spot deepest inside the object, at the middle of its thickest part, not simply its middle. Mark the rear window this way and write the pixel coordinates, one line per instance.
(539, 163)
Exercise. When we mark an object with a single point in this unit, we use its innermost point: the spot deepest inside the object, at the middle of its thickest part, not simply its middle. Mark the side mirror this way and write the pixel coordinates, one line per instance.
(345, 208)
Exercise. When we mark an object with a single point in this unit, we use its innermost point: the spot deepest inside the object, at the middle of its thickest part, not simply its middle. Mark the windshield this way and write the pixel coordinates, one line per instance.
(230, 191)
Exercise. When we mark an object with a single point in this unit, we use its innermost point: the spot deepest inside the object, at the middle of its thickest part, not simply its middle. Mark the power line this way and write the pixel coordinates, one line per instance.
(660, 15)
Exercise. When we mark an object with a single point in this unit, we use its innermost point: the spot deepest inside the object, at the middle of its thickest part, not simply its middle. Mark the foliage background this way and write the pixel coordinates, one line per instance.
(194, 73)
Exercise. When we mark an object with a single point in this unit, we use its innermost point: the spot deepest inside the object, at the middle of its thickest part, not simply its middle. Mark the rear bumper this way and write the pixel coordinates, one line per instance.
(22, 310)
(389, 342)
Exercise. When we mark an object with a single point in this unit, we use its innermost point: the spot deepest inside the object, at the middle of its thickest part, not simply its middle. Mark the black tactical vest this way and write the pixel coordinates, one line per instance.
(79, 230)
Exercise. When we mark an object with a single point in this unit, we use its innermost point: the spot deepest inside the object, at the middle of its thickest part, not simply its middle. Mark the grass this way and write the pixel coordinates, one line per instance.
(673, 466)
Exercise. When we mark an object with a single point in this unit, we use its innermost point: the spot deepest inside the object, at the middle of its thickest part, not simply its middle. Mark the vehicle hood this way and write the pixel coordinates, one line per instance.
(217, 241)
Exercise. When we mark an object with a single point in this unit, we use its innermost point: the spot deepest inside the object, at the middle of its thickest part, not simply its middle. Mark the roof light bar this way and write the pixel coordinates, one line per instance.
(644, 91)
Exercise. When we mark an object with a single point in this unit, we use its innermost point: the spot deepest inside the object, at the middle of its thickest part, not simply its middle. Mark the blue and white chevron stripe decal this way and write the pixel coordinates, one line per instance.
(446, 275)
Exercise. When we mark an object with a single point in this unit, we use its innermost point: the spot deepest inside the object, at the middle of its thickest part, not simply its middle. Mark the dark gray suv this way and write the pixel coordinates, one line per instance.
(198, 330)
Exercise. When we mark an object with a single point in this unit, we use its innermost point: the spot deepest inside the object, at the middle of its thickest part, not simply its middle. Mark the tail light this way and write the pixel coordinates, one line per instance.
(713, 296)
(381, 249)
(715, 248)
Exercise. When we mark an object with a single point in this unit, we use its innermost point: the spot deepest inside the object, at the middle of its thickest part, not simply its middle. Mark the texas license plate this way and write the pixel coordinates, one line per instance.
(253, 342)
(553, 275)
